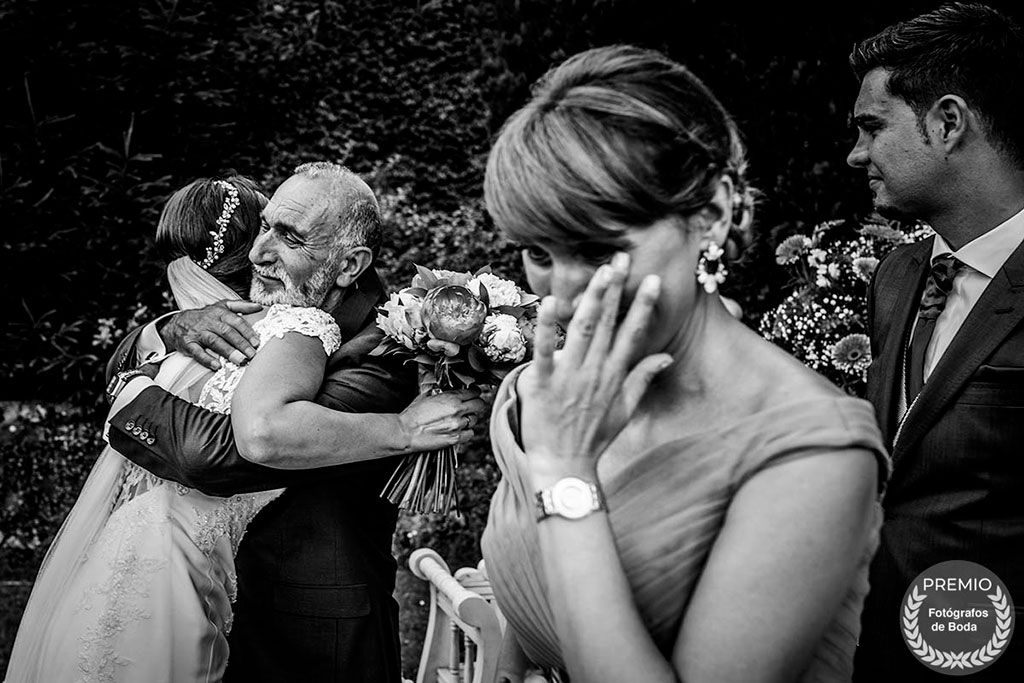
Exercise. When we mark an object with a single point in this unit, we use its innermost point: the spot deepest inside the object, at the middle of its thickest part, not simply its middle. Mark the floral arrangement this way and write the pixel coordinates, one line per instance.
(823, 321)
(490, 320)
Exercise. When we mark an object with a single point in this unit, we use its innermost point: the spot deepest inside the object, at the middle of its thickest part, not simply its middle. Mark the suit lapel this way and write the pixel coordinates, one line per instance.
(895, 305)
(353, 313)
(994, 316)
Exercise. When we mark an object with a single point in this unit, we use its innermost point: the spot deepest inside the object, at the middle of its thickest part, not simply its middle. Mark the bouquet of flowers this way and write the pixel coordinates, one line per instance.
(823, 322)
(491, 320)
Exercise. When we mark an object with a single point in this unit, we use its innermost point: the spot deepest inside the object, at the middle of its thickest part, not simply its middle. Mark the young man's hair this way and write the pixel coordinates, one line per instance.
(965, 49)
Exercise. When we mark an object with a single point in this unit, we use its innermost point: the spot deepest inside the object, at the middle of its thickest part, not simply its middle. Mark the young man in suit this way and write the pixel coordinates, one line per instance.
(315, 570)
(941, 137)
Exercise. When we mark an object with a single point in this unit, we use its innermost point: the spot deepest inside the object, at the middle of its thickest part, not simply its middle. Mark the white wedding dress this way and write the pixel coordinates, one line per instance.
(147, 595)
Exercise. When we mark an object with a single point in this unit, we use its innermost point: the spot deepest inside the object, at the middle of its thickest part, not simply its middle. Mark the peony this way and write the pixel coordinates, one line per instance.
(791, 249)
(451, 313)
(852, 353)
(500, 292)
(399, 318)
(502, 339)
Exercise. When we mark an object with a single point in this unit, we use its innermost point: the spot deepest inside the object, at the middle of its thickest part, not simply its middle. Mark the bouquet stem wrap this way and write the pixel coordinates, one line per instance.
(486, 325)
(425, 482)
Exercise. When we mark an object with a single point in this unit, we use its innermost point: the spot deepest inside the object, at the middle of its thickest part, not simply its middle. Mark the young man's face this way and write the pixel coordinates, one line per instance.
(903, 163)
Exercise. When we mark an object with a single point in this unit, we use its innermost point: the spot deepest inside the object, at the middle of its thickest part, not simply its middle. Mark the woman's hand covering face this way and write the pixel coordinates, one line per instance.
(575, 402)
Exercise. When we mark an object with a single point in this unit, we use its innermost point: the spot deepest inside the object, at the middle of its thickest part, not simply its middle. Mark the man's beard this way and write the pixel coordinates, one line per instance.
(313, 292)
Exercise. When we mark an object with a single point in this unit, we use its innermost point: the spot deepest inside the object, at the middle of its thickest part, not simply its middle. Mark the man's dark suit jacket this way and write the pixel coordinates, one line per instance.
(957, 487)
(315, 570)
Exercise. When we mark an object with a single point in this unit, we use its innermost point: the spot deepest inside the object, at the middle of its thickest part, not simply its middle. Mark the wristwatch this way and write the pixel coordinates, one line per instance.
(571, 498)
(119, 381)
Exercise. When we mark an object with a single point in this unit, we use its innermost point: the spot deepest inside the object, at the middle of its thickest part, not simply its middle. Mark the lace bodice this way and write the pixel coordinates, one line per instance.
(157, 525)
(219, 390)
(280, 320)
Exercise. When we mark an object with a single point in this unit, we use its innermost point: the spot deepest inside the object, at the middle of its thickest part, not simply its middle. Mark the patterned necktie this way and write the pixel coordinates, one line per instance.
(933, 301)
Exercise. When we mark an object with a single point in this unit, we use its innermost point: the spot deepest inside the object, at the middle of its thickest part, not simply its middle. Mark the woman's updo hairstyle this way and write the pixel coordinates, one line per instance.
(189, 223)
(615, 137)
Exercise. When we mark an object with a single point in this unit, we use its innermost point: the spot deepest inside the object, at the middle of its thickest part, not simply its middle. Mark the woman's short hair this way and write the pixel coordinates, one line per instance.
(615, 137)
(189, 220)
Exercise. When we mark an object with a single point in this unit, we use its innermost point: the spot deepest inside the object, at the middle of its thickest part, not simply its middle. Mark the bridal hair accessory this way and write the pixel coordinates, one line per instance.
(711, 271)
(230, 204)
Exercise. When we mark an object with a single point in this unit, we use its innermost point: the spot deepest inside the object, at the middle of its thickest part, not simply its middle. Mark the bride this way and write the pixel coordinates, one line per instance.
(139, 581)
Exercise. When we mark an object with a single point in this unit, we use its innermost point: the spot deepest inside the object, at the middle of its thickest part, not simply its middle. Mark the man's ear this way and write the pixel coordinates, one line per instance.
(353, 263)
(949, 118)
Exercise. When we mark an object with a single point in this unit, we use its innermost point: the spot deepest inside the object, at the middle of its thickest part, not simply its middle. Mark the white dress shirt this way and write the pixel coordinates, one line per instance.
(984, 256)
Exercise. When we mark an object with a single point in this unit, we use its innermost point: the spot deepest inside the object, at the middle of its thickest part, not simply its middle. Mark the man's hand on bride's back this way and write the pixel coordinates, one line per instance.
(216, 331)
(446, 419)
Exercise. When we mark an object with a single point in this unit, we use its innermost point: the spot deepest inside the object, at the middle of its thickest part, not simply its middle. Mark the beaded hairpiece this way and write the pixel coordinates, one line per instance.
(230, 204)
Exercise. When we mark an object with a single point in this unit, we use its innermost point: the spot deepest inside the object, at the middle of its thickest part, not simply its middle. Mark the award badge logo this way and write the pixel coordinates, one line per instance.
(957, 617)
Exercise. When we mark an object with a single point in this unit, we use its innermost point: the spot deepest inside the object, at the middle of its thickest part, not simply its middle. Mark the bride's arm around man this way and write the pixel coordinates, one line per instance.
(315, 570)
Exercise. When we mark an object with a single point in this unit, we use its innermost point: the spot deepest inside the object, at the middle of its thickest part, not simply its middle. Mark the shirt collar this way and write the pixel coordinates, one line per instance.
(987, 253)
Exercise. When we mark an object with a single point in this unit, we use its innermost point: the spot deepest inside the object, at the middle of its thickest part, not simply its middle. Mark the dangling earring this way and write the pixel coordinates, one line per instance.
(711, 271)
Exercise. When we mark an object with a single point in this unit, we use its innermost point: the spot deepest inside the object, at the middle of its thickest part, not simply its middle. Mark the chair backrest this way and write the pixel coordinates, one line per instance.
(467, 640)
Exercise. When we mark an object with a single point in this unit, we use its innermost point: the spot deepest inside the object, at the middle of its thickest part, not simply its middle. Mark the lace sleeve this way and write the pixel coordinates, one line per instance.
(312, 322)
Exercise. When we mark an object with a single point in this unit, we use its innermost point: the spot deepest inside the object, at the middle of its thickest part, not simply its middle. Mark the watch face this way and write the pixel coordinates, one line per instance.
(572, 498)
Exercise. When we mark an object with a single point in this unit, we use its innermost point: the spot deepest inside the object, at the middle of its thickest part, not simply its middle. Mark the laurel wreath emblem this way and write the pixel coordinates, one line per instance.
(956, 660)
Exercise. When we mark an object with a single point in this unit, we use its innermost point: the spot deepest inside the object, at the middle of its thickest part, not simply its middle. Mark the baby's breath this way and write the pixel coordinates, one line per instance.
(823, 321)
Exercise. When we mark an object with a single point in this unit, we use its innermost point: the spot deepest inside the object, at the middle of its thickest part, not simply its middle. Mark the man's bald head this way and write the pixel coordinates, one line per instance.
(352, 201)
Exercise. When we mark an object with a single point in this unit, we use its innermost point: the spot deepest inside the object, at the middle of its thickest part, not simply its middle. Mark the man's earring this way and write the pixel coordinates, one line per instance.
(711, 271)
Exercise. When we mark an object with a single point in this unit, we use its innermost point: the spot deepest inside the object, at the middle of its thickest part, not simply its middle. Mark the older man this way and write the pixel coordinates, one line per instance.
(315, 570)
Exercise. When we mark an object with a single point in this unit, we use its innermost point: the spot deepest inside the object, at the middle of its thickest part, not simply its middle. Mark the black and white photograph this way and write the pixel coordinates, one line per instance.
(511, 341)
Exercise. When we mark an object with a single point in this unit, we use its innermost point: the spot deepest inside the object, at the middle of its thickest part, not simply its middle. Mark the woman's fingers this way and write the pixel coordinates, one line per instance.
(632, 333)
(440, 346)
(544, 339)
(639, 379)
(242, 307)
(586, 317)
(604, 332)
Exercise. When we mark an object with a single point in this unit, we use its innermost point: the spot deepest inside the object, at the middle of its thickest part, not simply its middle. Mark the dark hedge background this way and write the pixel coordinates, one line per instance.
(105, 108)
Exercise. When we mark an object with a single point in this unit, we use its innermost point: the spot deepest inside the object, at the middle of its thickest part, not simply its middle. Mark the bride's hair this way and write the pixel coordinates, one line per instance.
(189, 223)
(614, 137)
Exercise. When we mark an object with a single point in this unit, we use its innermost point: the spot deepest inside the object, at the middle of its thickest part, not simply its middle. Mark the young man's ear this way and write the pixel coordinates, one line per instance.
(949, 117)
(353, 263)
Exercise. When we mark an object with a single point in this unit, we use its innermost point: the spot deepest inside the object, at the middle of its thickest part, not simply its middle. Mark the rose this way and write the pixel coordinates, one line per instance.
(502, 339)
(500, 292)
(451, 313)
(401, 320)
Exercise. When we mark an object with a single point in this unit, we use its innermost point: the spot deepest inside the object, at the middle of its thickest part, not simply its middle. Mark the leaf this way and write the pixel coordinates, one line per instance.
(429, 279)
(482, 269)
(467, 380)
(478, 360)
(484, 296)
(514, 311)
(417, 292)
(529, 299)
